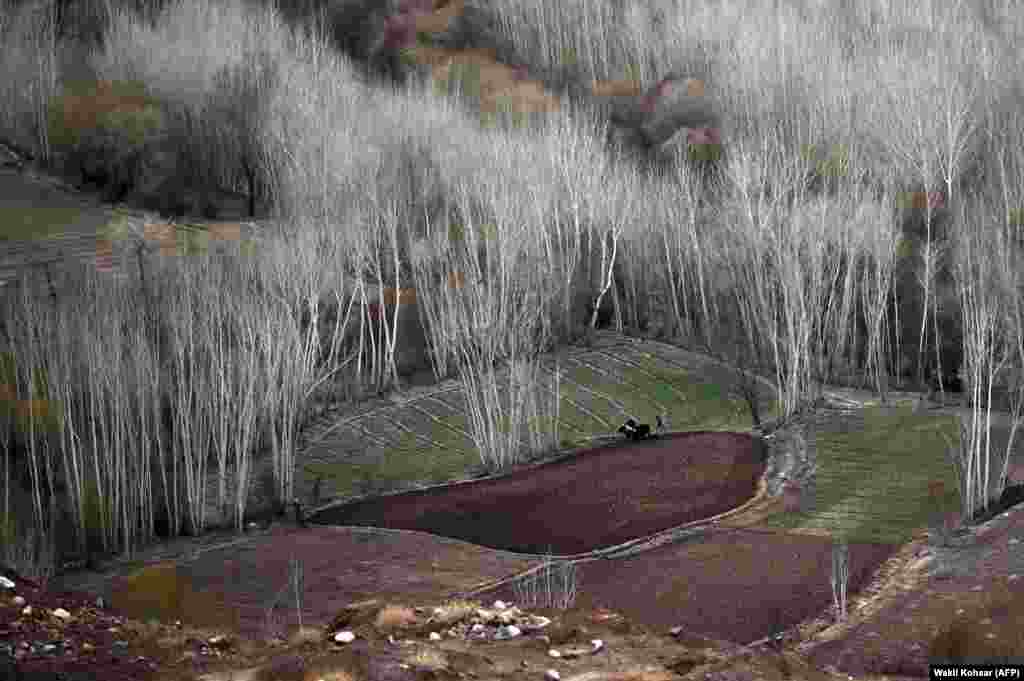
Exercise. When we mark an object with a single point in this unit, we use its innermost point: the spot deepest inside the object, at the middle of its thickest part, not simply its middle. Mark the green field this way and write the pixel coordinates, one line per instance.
(872, 480)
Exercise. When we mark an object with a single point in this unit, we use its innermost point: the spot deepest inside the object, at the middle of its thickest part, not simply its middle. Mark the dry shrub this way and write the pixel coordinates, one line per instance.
(394, 617)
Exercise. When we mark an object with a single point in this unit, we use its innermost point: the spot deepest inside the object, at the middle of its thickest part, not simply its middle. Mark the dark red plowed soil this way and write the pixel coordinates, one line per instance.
(107, 660)
(735, 585)
(599, 498)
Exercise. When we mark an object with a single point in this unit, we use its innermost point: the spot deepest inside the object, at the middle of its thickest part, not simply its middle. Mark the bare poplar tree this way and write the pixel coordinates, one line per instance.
(840, 576)
(876, 281)
(612, 209)
(988, 342)
(1007, 163)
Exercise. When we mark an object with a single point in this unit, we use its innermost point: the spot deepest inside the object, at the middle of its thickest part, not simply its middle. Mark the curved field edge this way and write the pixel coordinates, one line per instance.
(600, 501)
(425, 440)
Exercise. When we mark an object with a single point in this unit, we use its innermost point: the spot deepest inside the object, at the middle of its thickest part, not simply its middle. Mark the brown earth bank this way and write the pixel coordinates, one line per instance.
(741, 585)
(595, 499)
(962, 601)
(338, 566)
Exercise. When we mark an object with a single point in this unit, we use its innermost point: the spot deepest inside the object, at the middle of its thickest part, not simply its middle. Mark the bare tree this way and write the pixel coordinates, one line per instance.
(684, 259)
(875, 284)
(840, 576)
(776, 262)
(1008, 264)
(988, 340)
(933, 146)
(614, 205)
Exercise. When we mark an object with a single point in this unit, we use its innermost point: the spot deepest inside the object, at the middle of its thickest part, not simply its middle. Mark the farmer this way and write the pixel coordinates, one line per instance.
(661, 427)
(300, 517)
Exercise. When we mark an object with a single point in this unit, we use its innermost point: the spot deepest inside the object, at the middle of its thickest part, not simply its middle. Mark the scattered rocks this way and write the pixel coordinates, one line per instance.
(45, 634)
(460, 620)
(458, 638)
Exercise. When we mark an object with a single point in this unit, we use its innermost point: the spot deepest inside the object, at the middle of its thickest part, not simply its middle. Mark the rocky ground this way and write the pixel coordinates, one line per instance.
(63, 636)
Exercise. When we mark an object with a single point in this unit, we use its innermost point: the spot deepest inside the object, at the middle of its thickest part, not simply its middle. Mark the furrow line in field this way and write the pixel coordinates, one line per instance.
(435, 419)
(596, 368)
(657, 351)
(454, 408)
(599, 419)
(569, 424)
(636, 389)
(419, 436)
(637, 398)
(565, 422)
(523, 437)
(605, 396)
(698, 364)
(366, 433)
(506, 405)
(401, 399)
(577, 406)
(853, 518)
(880, 489)
(639, 367)
(334, 423)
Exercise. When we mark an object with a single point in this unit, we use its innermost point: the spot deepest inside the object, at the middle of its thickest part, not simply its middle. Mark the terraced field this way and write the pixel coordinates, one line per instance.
(405, 442)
